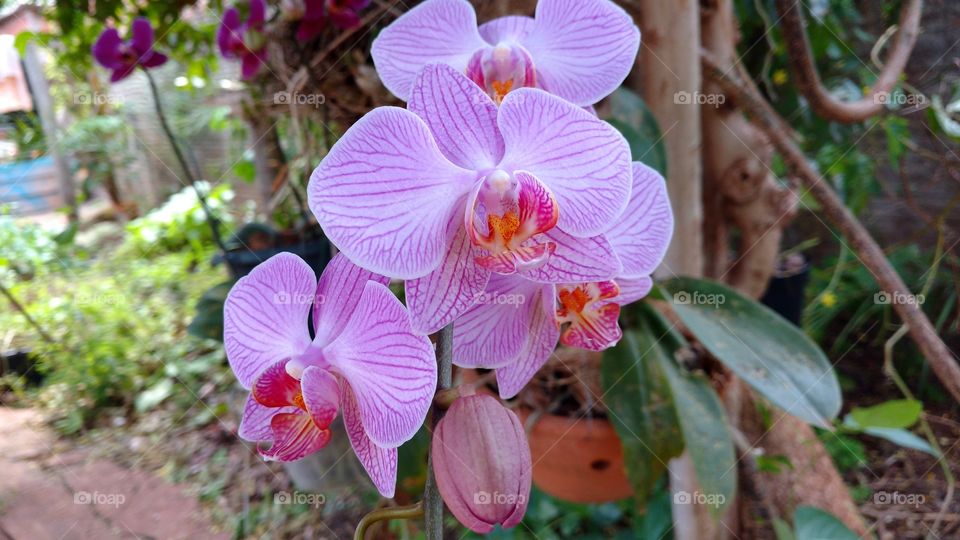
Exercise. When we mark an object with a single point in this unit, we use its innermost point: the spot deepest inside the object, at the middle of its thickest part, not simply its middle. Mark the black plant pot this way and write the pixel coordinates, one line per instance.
(785, 293)
(242, 261)
(22, 363)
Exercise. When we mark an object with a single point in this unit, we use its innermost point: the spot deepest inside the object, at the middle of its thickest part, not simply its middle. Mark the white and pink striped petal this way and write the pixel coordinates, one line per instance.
(463, 120)
(582, 160)
(583, 49)
(265, 314)
(642, 234)
(391, 370)
(385, 194)
(492, 333)
(435, 31)
(441, 296)
(380, 463)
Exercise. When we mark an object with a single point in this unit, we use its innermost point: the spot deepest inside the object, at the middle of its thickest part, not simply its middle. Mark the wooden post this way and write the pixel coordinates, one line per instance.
(33, 68)
(669, 82)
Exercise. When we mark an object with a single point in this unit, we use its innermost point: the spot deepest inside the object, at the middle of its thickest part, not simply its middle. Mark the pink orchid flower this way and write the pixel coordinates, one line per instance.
(455, 188)
(580, 50)
(364, 360)
(244, 39)
(517, 326)
(122, 57)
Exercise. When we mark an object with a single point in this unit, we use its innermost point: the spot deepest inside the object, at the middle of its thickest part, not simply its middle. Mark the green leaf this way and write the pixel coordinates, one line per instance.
(208, 322)
(811, 523)
(761, 347)
(633, 119)
(782, 529)
(898, 413)
(641, 407)
(897, 436)
(705, 432)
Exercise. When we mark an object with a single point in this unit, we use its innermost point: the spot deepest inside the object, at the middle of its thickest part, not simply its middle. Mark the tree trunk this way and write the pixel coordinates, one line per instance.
(669, 77)
(741, 190)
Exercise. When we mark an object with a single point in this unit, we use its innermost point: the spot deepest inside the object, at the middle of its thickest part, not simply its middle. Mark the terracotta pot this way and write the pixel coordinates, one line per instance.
(575, 460)
(580, 461)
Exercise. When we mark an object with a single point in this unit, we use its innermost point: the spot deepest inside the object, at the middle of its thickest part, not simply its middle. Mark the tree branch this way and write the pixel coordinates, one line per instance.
(921, 330)
(807, 78)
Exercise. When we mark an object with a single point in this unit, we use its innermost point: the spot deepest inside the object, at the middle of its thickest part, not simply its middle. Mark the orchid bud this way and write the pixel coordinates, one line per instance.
(482, 463)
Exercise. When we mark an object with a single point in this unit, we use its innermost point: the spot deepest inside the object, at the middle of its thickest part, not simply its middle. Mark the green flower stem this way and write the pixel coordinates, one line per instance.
(214, 223)
(433, 504)
(414, 511)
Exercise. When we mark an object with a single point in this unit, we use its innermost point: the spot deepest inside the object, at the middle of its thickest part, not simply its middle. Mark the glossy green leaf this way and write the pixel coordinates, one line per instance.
(761, 347)
(898, 413)
(631, 116)
(898, 436)
(705, 432)
(812, 523)
(641, 407)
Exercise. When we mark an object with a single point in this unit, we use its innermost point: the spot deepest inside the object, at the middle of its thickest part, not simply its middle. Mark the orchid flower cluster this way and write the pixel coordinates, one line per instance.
(245, 39)
(509, 210)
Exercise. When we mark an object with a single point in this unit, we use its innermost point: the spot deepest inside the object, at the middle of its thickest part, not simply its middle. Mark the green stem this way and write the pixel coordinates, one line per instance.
(414, 511)
(433, 504)
(26, 315)
(214, 223)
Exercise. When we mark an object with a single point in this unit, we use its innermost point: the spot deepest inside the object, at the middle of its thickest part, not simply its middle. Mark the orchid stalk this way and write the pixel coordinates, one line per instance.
(123, 58)
(211, 219)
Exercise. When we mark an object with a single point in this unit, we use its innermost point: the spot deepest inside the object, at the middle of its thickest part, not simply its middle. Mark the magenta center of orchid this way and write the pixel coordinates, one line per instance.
(502, 68)
(508, 212)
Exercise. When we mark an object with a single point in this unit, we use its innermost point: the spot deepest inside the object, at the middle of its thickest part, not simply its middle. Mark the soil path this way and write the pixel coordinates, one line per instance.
(51, 494)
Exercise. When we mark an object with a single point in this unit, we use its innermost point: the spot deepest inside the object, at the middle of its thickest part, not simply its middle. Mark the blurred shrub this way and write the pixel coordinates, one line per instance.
(180, 223)
(27, 249)
(120, 326)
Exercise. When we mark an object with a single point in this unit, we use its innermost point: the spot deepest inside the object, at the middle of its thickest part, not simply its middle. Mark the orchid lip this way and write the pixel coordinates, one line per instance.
(501, 68)
(505, 215)
(591, 313)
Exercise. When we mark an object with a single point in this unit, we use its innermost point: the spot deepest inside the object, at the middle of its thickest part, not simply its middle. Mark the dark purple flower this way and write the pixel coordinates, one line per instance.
(122, 57)
(345, 13)
(342, 13)
(314, 20)
(244, 40)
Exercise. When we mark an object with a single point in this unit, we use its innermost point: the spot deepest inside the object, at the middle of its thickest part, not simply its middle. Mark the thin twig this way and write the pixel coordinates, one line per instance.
(807, 77)
(26, 315)
(211, 219)
(866, 248)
